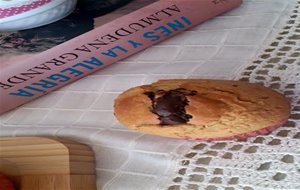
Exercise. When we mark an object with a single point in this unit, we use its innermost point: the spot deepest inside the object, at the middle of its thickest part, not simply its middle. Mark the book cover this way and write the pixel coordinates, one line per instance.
(119, 38)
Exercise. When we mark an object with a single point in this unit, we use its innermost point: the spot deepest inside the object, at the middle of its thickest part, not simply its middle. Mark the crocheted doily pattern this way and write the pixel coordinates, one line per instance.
(265, 162)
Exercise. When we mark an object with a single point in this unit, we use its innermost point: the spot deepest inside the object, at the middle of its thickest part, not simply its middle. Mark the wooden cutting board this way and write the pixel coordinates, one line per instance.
(39, 163)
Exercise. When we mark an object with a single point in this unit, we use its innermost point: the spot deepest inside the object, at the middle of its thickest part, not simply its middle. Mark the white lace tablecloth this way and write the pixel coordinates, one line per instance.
(257, 42)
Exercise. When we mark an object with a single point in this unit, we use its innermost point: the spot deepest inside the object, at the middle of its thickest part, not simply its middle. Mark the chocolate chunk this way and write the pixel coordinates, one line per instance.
(172, 120)
(151, 95)
(170, 105)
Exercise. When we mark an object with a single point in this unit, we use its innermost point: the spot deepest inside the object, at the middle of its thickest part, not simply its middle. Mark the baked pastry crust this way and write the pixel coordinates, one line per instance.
(221, 109)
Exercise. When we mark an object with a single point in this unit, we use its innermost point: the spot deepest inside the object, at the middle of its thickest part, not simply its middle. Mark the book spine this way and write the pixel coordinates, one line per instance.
(40, 74)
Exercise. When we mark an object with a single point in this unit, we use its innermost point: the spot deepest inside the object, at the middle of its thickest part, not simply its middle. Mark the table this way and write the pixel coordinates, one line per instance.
(257, 42)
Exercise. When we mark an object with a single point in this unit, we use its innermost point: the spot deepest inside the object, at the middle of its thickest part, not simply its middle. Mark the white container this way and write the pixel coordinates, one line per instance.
(24, 14)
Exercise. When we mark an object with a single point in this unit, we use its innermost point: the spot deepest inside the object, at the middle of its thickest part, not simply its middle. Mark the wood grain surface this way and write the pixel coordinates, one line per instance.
(39, 163)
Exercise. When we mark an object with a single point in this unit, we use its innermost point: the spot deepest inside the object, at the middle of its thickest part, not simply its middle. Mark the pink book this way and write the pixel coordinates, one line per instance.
(40, 74)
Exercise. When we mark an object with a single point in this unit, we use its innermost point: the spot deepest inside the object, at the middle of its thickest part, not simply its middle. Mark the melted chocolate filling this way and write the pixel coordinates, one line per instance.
(170, 105)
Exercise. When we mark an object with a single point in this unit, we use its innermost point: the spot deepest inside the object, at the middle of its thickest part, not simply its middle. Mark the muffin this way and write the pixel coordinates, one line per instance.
(202, 109)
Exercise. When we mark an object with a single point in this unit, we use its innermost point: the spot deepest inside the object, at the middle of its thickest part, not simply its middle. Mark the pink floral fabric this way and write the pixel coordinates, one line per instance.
(11, 11)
